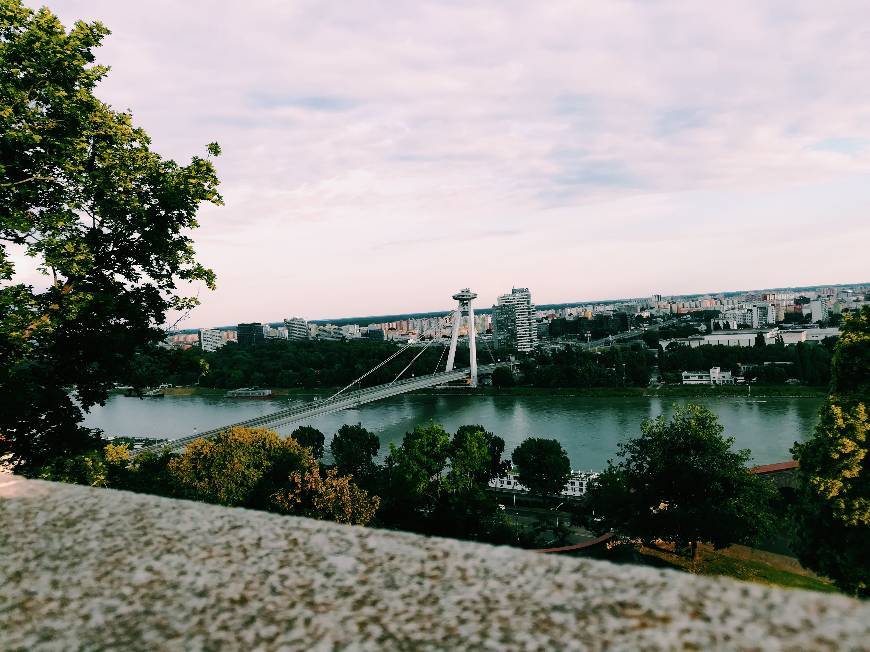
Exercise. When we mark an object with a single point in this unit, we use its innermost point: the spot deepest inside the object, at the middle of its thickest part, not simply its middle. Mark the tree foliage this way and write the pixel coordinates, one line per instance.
(353, 450)
(542, 465)
(680, 481)
(256, 468)
(240, 467)
(832, 513)
(310, 437)
(106, 220)
(436, 485)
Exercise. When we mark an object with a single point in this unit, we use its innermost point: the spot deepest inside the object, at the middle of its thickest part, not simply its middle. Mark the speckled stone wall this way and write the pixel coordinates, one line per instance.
(84, 568)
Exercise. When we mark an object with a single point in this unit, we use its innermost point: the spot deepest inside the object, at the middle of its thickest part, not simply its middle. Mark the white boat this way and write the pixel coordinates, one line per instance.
(249, 392)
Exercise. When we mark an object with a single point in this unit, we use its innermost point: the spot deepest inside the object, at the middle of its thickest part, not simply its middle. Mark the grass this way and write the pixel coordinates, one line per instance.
(737, 562)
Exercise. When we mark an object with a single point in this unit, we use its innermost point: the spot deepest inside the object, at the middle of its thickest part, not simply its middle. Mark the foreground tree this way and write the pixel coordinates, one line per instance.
(542, 465)
(832, 511)
(437, 485)
(680, 481)
(491, 465)
(105, 220)
(310, 437)
(256, 468)
(353, 449)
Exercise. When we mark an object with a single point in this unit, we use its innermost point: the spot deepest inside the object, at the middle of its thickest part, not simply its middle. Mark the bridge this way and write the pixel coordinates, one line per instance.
(345, 399)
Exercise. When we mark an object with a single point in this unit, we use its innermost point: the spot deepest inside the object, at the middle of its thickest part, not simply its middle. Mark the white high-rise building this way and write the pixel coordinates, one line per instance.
(513, 321)
(819, 309)
(210, 339)
(297, 328)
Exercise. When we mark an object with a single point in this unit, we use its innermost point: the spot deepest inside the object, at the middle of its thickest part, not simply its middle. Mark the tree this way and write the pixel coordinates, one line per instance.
(333, 498)
(542, 464)
(107, 221)
(437, 486)
(470, 461)
(492, 465)
(310, 437)
(832, 512)
(421, 458)
(256, 468)
(851, 360)
(680, 481)
(503, 377)
(353, 450)
(240, 467)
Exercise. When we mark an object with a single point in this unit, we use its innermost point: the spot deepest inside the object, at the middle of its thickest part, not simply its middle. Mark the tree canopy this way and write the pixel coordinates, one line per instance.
(353, 450)
(542, 465)
(681, 481)
(832, 511)
(106, 221)
(310, 437)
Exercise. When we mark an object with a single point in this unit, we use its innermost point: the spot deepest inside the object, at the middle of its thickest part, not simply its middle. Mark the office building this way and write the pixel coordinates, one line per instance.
(250, 334)
(513, 321)
(297, 328)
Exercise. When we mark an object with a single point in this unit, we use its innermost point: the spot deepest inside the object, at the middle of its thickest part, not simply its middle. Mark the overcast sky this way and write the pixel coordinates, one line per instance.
(378, 156)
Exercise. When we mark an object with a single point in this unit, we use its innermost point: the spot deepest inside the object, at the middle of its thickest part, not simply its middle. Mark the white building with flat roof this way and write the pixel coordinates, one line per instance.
(297, 328)
(714, 377)
(210, 339)
(791, 337)
(576, 486)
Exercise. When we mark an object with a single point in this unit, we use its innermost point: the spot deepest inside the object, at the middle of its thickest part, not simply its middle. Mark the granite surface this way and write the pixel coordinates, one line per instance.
(88, 569)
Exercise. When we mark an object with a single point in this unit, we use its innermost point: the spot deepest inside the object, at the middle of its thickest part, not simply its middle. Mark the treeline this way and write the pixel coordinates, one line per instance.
(434, 483)
(324, 364)
(808, 362)
(281, 363)
(572, 367)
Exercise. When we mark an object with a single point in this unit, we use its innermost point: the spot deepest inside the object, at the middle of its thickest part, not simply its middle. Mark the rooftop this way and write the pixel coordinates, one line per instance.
(101, 569)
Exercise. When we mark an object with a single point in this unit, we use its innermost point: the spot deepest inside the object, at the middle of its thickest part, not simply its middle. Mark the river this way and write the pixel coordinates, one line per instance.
(588, 427)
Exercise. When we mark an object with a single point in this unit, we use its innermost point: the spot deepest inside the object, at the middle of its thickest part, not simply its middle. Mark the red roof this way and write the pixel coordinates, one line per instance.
(773, 468)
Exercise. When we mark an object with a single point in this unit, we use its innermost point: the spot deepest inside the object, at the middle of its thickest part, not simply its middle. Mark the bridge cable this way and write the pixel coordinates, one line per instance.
(413, 360)
(491, 356)
(441, 357)
(370, 371)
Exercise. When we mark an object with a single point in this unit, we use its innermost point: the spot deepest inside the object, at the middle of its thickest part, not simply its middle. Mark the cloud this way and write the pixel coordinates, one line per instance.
(366, 141)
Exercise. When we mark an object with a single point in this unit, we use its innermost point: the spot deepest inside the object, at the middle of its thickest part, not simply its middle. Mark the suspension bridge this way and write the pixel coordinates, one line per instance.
(349, 397)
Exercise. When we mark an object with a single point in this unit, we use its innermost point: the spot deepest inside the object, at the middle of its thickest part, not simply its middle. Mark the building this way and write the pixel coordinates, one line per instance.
(210, 339)
(790, 337)
(714, 377)
(724, 338)
(297, 328)
(576, 486)
(762, 314)
(513, 321)
(250, 334)
(819, 309)
(274, 333)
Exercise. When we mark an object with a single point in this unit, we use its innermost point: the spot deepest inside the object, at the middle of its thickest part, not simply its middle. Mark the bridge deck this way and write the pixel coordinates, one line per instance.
(328, 406)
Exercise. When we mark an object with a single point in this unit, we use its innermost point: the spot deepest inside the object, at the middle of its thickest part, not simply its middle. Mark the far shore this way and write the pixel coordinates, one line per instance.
(662, 391)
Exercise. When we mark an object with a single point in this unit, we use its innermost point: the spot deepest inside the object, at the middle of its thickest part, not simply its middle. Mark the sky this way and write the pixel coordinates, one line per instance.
(379, 156)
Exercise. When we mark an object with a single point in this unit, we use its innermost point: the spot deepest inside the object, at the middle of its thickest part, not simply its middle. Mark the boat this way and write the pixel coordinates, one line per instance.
(249, 392)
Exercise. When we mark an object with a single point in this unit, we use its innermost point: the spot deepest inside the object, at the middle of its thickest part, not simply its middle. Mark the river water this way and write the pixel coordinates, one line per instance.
(588, 427)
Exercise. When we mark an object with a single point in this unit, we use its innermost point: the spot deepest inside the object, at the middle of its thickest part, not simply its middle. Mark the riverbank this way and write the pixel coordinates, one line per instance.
(663, 391)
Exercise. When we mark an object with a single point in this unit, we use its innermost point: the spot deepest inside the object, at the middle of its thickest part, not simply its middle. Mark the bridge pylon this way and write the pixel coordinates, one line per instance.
(464, 298)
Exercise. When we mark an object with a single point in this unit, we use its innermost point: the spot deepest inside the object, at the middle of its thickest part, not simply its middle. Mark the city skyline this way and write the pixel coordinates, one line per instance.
(375, 159)
(484, 307)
